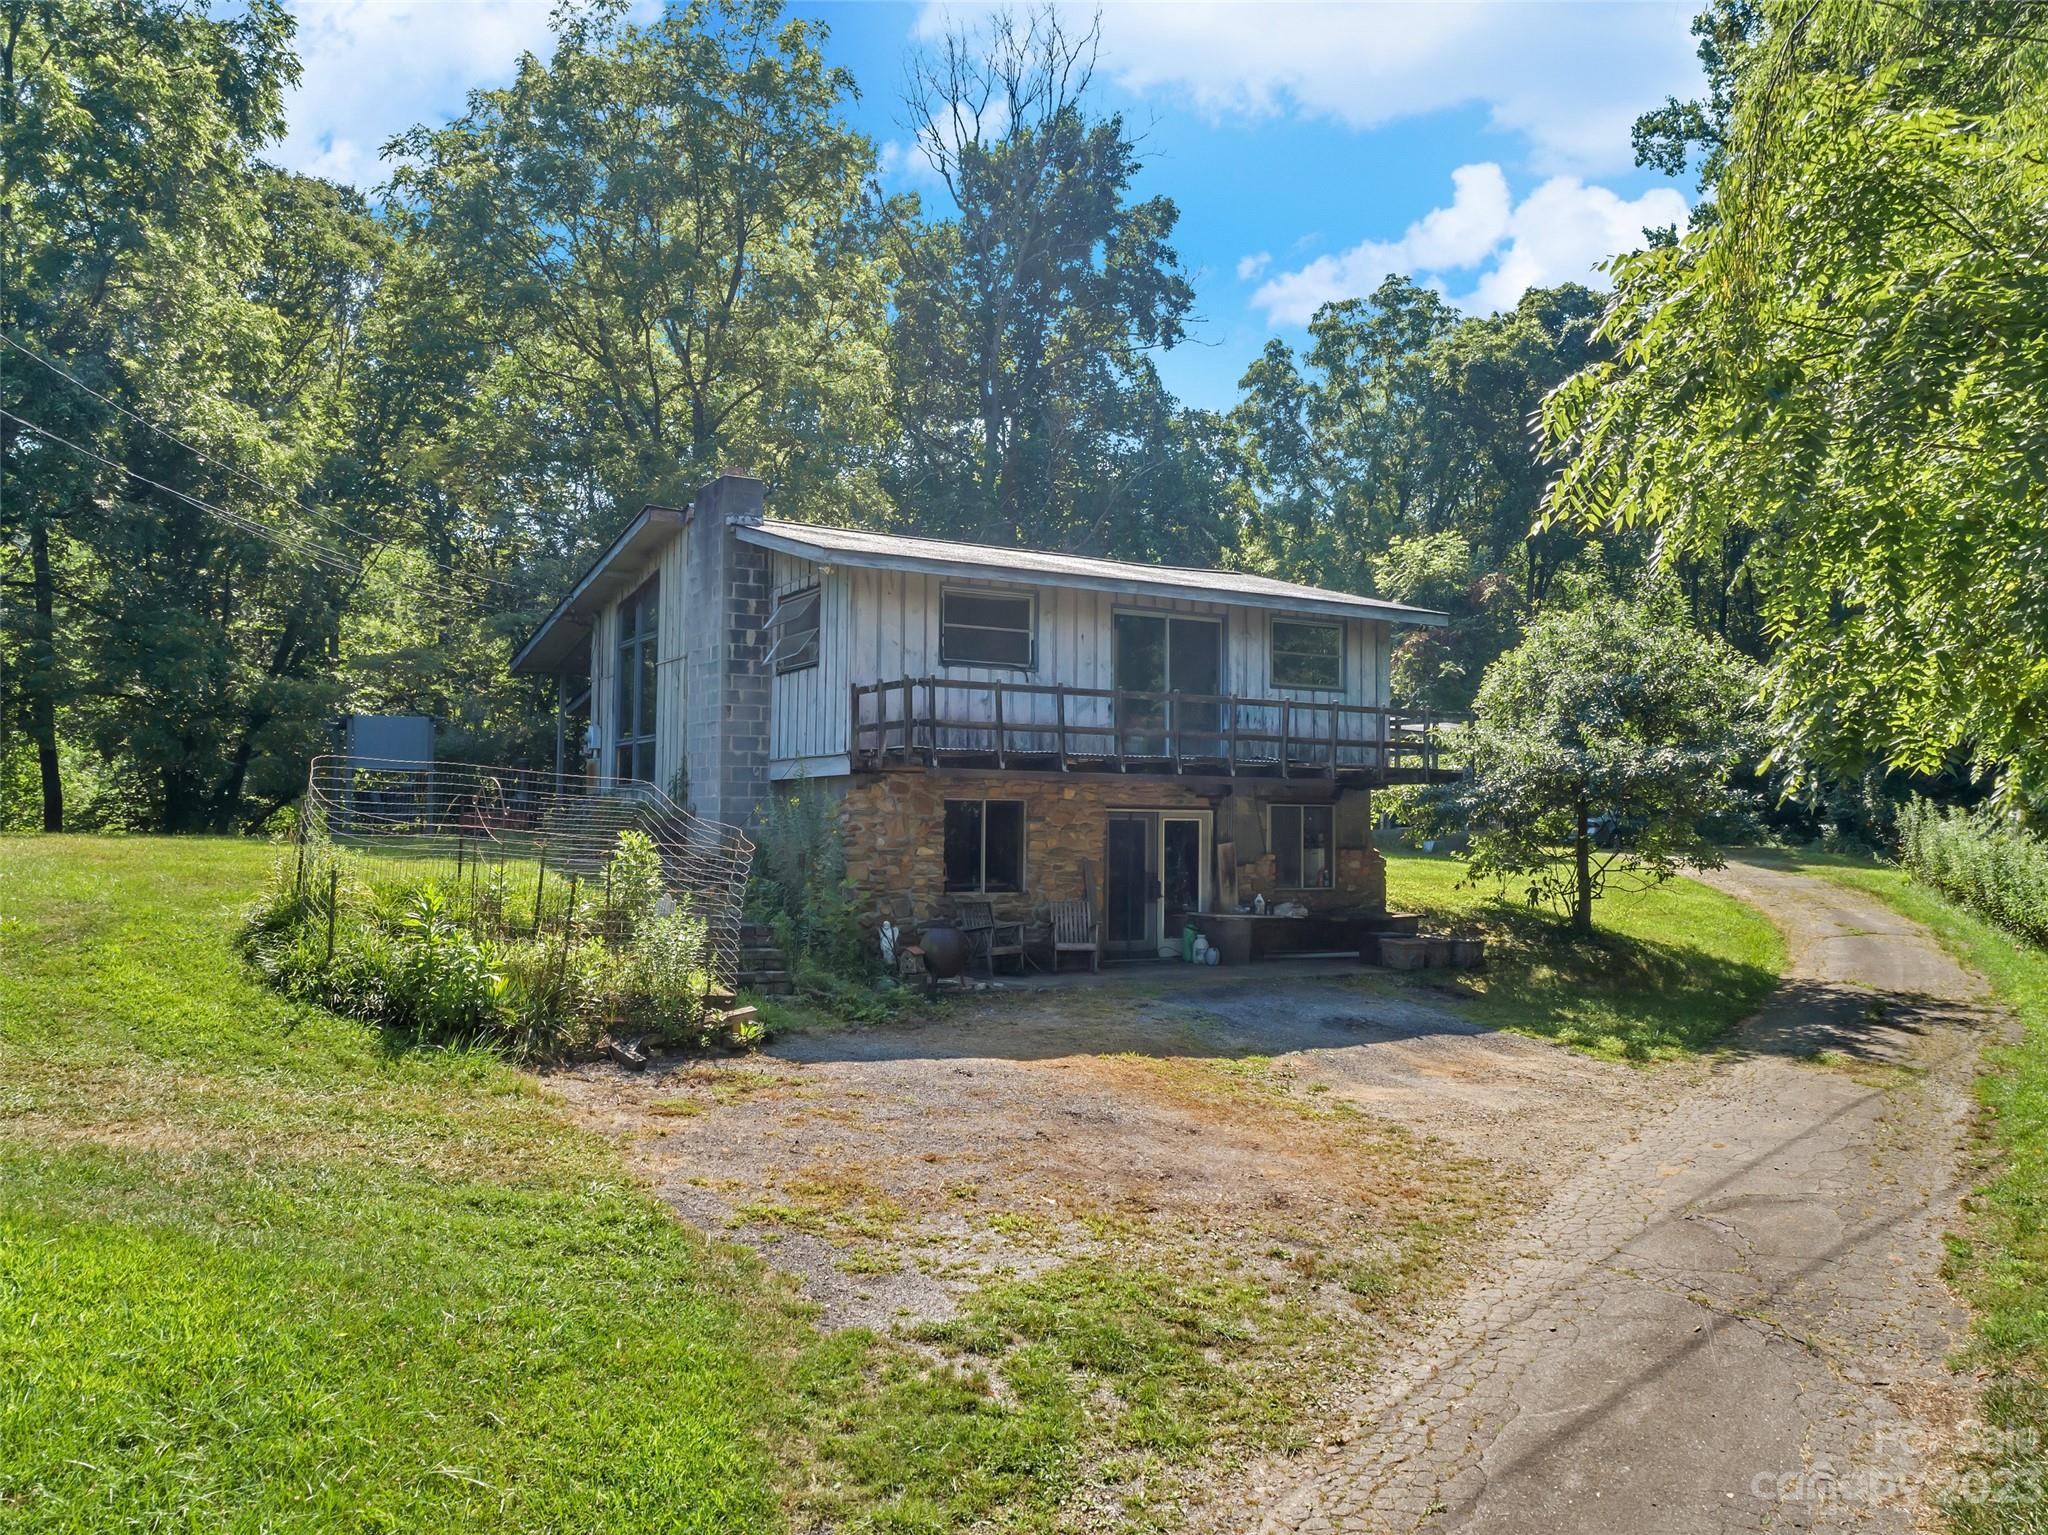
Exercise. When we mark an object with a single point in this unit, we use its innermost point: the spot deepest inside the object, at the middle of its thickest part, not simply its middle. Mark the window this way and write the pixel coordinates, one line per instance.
(635, 687)
(1308, 655)
(795, 627)
(1302, 847)
(988, 629)
(985, 845)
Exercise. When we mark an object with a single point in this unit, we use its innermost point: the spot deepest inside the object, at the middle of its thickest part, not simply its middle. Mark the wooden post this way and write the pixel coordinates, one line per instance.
(1333, 741)
(539, 884)
(1000, 762)
(1286, 718)
(1059, 715)
(333, 900)
(1116, 714)
(853, 722)
(931, 722)
(568, 933)
(1230, 743)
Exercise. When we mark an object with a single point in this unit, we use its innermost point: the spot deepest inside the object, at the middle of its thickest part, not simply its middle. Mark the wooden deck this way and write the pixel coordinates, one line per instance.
(937, 723)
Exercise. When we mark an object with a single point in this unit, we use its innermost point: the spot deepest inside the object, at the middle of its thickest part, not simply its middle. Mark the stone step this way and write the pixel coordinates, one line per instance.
(755, 977)
(777, 987)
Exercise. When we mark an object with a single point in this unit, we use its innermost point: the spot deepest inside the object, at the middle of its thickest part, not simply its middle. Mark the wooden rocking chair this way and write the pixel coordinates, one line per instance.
(1076, 929)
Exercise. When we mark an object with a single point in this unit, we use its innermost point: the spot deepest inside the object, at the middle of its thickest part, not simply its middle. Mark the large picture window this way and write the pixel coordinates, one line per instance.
(1303, 847)
(985, 845)
(1307, 655)
(988, 629)
(635, 688)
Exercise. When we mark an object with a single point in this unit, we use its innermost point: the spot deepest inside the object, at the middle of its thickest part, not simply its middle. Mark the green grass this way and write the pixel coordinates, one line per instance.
(1999, 1263)
(1668, 971)
(262, 1268)
(259, 1272)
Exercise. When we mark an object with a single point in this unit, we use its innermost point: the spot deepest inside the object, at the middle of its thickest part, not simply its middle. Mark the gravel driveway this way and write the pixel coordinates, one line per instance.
(1732, 1320)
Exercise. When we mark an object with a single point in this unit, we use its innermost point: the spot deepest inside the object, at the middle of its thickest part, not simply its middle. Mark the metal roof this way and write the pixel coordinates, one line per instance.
(556, 637)
(1037, 567)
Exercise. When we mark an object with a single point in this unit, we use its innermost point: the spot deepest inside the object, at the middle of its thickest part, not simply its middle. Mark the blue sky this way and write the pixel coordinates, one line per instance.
(1311, 148)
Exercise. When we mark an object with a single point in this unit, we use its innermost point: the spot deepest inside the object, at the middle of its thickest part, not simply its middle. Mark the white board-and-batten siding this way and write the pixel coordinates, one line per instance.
(883, 626)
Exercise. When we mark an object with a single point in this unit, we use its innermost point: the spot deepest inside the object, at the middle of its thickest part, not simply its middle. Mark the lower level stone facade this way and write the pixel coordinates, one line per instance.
(895, 839)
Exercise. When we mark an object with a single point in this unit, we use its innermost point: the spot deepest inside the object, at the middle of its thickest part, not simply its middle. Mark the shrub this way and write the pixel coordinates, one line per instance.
(799, 884)
(1981, 861)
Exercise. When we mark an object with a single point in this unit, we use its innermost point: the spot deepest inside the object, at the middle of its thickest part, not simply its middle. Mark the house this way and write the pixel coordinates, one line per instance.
(996, 722)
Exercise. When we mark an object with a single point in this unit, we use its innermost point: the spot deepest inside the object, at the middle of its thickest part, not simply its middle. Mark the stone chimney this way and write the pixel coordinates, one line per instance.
(728, 592)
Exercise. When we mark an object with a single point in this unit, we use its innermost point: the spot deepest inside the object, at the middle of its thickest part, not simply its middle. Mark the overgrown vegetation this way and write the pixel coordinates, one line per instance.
(799, 889)
(506, 952)
(1670, 971)
(1982, 861)
(2000, 1260)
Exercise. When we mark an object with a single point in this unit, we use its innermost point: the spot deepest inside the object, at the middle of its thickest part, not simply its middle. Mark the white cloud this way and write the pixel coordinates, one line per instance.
(1570, 78)
(1251, 266)
(373, 68)
(1556, 234)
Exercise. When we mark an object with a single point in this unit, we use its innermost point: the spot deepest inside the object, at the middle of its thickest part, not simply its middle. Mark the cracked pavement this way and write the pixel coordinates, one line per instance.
(1731, 1319)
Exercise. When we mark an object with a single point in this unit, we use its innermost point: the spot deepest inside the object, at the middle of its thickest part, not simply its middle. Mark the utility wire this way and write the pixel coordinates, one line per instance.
(241, 474)
(321, 555)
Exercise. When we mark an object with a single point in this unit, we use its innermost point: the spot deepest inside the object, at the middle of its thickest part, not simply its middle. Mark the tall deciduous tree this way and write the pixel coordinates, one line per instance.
(1844, 375)
(1027, 318)
(126, 128)
(659, 246)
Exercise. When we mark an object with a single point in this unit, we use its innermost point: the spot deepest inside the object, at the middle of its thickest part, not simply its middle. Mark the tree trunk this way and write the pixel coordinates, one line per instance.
(42, 676)
(1582, 858)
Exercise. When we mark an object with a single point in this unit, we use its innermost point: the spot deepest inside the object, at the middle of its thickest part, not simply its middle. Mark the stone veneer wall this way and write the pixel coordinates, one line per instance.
(895, 839)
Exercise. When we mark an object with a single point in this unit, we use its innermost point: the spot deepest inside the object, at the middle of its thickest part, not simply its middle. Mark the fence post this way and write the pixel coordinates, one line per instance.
(568, 933)
(333, 887)
(539, 884)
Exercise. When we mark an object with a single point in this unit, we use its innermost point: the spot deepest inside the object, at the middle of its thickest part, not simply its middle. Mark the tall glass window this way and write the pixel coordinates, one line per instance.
(635, 684)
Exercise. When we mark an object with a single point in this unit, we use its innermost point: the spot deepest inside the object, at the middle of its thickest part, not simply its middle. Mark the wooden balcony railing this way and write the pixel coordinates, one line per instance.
(931, 722)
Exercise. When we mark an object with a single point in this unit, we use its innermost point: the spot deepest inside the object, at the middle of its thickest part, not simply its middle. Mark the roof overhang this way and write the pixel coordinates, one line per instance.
(555, 641)
(1332, 604)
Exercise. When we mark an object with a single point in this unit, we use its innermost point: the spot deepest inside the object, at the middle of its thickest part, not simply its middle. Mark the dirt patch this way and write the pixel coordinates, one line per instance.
(1320, 1130)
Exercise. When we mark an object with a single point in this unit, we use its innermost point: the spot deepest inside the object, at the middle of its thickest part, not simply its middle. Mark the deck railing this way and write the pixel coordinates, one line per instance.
(940, 721)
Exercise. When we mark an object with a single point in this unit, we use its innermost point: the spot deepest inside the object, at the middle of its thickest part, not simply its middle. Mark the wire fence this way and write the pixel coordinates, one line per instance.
(517, 854)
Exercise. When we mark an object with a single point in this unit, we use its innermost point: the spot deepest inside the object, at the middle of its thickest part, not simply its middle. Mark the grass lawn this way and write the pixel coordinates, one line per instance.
(263, 1269)
(1999, 1263)
(1667, 972)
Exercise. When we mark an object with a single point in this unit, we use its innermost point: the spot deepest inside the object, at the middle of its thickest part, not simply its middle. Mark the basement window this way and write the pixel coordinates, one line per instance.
(1302, 847)
(984, 846)
(988, 629)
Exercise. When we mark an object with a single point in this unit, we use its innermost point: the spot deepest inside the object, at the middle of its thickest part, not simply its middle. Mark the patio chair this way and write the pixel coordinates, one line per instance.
(1076, 930)
(991, 939)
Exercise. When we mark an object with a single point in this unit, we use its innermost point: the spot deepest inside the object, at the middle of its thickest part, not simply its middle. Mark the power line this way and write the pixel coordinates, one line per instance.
(242, 474)
(321, 555)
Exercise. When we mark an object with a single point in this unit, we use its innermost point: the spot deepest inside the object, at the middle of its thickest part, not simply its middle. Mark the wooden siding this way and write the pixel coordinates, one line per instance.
(883, 625)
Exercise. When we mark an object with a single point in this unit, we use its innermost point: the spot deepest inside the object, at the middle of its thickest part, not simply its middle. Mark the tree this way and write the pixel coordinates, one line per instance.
(1020, 356)
(1839, 383)
(125, 130)
(658, 252)
(1602, 744)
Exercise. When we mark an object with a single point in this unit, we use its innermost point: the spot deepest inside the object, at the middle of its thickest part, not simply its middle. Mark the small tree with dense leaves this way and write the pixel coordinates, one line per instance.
(1603, 743)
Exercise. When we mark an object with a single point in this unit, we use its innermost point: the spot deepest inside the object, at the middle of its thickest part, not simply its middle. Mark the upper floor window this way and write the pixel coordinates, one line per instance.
(988, 629)
(1308, 655)
(794, 625)
(635, 690)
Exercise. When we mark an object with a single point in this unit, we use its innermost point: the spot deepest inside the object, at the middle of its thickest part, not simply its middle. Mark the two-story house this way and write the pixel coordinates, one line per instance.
(1023, 725)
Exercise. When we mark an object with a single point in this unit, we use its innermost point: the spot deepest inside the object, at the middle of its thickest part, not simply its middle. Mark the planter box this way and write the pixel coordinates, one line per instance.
(1439, 949)
(1468, 953)
(1398, 953)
